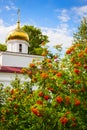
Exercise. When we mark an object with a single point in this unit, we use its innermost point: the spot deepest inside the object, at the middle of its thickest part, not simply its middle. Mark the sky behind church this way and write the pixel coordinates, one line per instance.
(58, 19)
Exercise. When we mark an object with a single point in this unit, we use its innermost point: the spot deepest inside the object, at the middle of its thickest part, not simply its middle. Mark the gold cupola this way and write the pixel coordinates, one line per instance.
(17, 34)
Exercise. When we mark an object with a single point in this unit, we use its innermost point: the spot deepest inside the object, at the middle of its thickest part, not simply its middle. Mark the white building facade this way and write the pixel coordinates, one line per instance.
(16, 57)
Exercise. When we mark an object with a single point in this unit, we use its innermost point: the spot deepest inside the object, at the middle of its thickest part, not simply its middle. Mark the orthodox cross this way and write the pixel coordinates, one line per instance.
(18, 12)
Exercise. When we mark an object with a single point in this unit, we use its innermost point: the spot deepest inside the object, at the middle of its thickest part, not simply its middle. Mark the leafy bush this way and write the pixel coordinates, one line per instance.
(3, 47)
(54, 98)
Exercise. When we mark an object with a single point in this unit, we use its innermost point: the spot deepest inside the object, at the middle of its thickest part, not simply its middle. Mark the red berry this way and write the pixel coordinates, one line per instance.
(59, 74)
(39, 102)
(77, 102)
(46, 97)
(59, 99)
(41, 94)
(63, 120)
(77, 71)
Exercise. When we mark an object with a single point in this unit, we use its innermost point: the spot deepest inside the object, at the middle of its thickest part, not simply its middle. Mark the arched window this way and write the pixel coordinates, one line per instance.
(20, 47)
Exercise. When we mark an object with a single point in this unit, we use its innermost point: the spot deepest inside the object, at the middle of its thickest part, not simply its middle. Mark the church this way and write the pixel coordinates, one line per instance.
(16, 57)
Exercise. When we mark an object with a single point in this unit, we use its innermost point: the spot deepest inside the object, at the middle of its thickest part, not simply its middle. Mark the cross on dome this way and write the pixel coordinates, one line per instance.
(17, 34)
(18, 22)
(18, 12)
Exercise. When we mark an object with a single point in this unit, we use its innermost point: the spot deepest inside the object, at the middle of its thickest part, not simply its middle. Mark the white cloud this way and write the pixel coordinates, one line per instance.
(82, 11)
(68, 18)
(75, 14)
(58, 36)
(4, 31)
(14, 7)
(7, 7)
(1, 22)
(10, 7)
(64, 17)
(62, 34)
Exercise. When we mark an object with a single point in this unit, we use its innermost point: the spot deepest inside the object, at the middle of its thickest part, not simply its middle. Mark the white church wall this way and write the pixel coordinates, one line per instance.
(0, 59)
(7, 78)
(17, 59)
(13, 46)
(24, 48)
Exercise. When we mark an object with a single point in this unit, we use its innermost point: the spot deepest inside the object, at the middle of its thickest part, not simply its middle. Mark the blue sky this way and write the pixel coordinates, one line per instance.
(58, 19)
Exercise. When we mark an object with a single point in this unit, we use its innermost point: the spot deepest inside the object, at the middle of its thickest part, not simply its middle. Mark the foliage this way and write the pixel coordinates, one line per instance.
(58, 97)
(81, 35)
(36, 39)
(3, 47)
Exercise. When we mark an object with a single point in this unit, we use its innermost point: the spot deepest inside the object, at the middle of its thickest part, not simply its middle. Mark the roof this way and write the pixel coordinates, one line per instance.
(18, 33)
(9, 69)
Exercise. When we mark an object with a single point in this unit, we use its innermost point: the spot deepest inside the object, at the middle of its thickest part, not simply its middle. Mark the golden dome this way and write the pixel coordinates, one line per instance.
(18, 33)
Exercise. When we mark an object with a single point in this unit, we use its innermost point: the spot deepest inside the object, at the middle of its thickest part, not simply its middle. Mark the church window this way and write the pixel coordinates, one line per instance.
(20, 47)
